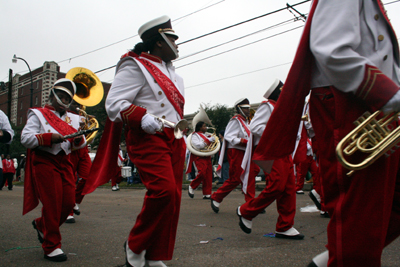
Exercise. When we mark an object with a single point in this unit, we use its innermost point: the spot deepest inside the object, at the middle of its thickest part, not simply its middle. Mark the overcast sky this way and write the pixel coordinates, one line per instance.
(61, 31)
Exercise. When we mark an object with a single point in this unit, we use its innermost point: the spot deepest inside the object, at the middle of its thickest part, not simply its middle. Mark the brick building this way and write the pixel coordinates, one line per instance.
(43, 79)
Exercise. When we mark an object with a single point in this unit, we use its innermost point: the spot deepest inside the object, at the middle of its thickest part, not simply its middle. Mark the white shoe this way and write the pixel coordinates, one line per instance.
(292, 233)
(56, 255)
(114, 188)
(70, 219)
(316, 198)
(133, 259)
(321, 260)
(300, 192)
(117, 187)
(190, 192)
(244, 224)
(76, 209)
(156, 264)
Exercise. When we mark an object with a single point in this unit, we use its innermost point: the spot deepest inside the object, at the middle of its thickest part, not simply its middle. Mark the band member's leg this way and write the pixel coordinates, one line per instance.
(56, 195)
(160, 160)
(355, 238)
(276, 185)
(286, 203)
(235, 158)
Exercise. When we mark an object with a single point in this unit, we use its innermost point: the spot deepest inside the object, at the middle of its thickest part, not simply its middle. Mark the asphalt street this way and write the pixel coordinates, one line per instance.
(204, 238)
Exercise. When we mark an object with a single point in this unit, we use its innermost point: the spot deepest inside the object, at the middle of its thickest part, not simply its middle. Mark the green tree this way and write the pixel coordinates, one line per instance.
(219, 115)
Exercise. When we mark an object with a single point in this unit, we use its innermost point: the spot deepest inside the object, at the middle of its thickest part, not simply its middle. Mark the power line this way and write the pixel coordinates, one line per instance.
(240, 23)
(123, 40)
(237, 75)
(392, 2)
(236, 39)
(240, 46)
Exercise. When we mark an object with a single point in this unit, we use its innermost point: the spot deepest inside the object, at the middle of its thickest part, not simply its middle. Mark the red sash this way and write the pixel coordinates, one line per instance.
(204, 138)
(168, 87)
(245, 127)
(58, 124)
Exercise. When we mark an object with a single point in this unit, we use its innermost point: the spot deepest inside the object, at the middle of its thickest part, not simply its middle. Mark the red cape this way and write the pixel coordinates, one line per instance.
(279, 141)
(105, 164)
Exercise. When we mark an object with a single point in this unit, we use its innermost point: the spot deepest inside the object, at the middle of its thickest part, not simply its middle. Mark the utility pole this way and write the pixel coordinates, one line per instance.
(10, 80)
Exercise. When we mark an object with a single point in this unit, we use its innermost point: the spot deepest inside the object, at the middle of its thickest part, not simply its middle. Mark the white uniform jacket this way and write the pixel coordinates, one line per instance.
(133, 84)
(347, 37)
(37, 124)
(5, 125)
(235, 133)
(198, 142)
(257, 127)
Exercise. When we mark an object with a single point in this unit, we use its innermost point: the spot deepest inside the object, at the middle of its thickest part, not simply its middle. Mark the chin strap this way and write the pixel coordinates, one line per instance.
(59, 101)
(241, 112)
(170, 44)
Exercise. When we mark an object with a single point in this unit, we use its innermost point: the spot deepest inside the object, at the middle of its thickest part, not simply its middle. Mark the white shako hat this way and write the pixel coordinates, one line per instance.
(274, 89)
(155, 26)
(65, 85)
(243, 103)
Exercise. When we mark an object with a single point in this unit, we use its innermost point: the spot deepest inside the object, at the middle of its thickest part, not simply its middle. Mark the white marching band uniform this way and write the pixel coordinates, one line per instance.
(37, 123)
(142, 90)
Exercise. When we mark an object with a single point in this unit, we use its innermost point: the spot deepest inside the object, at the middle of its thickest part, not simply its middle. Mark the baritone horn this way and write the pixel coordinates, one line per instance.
(373, 137)
(213, 147)
(89, 93)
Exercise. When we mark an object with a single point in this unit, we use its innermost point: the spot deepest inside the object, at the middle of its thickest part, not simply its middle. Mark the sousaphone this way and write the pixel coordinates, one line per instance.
(212, 148)
(89, 93)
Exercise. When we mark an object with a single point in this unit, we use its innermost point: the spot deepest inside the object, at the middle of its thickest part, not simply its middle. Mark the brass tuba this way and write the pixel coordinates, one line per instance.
(212, 148)
(372, 137)
(89, 92)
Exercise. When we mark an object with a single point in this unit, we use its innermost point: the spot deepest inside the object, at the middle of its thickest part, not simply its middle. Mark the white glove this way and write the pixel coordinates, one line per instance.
(211, 139)
(150, 124)
(393, 104)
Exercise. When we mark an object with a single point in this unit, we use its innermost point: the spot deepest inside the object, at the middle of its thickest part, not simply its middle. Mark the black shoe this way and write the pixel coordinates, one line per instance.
(70, 220)
(40, 234)
(76, 211)
(312, 264)
(58, 258)
(315, 200)
(263, 211)
(206, 197)
(296, 237)
(220, 183)
(324, 214)
(214, 208)
(10, 189)
(241, 224)
(190, 195)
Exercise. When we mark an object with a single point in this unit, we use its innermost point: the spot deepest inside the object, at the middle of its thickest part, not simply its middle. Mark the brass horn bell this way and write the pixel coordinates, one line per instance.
(89, 89)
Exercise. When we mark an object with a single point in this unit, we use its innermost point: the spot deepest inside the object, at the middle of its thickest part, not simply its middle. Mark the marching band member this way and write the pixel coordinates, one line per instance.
(6, 136)
(236, 137)
(280, 182)
(203, 164)
(81, 163)
(144, 84)
(349, 56)
(49, 172)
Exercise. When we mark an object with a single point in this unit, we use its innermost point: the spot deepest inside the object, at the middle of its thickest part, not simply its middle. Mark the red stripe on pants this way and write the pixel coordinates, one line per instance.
(204, 168)
(160, 160)
(235, 157)
(280, 186)
(364, 208)
(55, 184)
